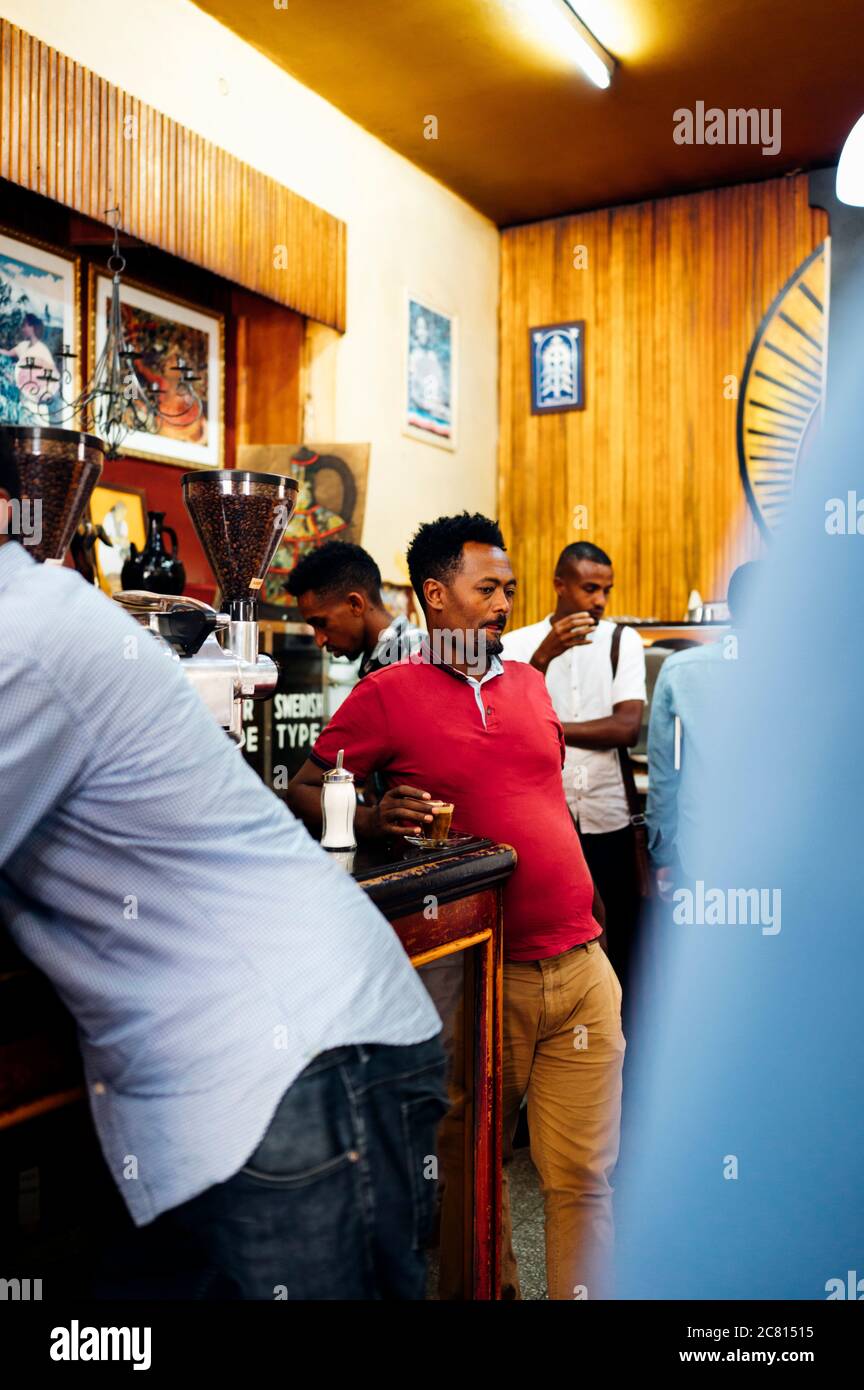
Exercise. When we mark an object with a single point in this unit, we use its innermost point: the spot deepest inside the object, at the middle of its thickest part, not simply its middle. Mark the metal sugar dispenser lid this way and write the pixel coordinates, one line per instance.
(338, 773)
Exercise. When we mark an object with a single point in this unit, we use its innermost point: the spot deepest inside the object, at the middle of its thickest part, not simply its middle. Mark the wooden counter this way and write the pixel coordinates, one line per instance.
(448, 904)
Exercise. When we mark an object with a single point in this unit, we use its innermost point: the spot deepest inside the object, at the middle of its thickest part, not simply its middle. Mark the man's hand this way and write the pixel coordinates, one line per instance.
(572, 631)
(401, 811)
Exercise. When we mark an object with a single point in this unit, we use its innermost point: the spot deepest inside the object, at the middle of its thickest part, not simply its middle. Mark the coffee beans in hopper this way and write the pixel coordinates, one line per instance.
(57, 469)
(238, 530)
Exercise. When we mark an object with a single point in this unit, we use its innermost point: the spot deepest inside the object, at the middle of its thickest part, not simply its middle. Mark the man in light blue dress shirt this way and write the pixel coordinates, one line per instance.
(689, 689)
(261, 1059)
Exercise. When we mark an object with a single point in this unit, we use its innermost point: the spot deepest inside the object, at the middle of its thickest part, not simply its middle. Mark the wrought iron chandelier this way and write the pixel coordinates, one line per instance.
(115, 402)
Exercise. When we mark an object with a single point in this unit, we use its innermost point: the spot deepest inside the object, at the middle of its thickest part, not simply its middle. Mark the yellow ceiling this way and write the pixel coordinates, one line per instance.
(523, 135)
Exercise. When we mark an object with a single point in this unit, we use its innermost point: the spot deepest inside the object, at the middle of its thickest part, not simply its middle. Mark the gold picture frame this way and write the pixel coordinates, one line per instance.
(180, 452)
(70, 331)
(106, 510)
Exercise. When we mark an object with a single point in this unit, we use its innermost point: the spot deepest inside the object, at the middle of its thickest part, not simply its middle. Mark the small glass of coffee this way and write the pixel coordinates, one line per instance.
(442, 814)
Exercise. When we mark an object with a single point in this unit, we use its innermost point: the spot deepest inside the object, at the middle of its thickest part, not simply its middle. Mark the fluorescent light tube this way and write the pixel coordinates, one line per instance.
(591, 56)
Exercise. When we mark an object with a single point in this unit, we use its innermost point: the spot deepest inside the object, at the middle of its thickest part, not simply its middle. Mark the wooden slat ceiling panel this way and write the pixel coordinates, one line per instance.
(63, 133)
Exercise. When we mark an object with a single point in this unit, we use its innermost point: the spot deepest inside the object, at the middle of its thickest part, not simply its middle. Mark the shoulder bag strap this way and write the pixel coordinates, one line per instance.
(637, 819)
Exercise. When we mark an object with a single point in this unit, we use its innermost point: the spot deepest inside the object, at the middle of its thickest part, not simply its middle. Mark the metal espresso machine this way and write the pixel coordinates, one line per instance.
(240, 519)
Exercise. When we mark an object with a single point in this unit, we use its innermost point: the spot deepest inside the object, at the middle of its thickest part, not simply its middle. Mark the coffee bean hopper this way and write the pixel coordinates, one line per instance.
(240, 519)
(57, 471)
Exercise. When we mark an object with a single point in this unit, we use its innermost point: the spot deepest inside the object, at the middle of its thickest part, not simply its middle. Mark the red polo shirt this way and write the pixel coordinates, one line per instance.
(496, 751)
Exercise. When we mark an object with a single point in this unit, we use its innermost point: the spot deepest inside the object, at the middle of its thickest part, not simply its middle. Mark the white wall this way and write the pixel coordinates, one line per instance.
(405, 230)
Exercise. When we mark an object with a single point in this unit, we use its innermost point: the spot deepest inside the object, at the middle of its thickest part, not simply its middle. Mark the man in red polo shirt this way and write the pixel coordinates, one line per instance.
(484, 735)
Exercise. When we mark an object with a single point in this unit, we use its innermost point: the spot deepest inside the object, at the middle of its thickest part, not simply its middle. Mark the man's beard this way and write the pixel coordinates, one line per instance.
(494, 646)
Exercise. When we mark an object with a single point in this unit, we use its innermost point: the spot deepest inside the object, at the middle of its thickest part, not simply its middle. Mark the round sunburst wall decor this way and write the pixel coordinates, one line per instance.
(783, 389)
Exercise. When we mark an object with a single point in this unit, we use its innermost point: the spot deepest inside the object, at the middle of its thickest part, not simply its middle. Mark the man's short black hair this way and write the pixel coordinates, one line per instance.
(581, 550)
(739, 595)
(336, 567)
(436, 550)
(9, 481)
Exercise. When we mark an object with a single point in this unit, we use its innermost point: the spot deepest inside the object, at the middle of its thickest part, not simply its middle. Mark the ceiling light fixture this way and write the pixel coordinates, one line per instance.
(850, 170)
(591, 56)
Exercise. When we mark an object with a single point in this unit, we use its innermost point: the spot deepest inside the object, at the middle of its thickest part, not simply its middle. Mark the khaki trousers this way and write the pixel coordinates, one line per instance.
(564, 1049)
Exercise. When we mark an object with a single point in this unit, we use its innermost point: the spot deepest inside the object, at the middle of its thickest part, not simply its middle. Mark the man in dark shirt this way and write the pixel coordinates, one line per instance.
(484, 735)
(338, 592)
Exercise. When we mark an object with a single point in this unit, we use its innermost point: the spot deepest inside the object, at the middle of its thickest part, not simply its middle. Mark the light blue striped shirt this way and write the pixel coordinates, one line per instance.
(206, 945)
(693, 685)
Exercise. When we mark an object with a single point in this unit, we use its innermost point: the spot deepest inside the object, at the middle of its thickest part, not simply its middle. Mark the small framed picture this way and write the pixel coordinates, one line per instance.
(557, 367)
(165, 331)
(39, 319)
(399, 601)
(430, 374)
(121, 514)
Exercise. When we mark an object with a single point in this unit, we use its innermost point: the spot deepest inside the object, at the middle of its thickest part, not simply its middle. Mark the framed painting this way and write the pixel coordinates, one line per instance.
(557, 367)
(430, 374)
(40, 291)
(119, 514)
(164, 330)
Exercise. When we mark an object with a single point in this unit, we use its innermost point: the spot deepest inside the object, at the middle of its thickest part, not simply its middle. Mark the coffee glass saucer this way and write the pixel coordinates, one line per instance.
(425, 842)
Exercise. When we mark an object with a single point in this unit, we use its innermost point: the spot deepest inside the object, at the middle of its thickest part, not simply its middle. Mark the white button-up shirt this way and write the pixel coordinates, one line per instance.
(581, 687)
(495, 669)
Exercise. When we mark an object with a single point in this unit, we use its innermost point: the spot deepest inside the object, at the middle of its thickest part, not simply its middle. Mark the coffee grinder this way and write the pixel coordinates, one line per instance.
(240, 518)
(57, 472)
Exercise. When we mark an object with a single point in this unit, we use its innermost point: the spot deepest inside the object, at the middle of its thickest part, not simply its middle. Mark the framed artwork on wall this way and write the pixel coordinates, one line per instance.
(400, 601)
(557, 367)
(430, 374)
(40, 292)
(165, 330)
(121, 513)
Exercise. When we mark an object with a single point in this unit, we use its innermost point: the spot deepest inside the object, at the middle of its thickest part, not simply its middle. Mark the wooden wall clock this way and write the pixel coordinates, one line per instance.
(783, 390)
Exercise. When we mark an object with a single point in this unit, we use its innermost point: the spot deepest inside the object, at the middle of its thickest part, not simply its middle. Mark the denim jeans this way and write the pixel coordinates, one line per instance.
(338, 1200)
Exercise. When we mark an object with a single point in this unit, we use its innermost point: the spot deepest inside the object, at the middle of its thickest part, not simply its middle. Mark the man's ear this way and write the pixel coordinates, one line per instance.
(433, 593)
(558, 582)
(357, 601)
(5, 499)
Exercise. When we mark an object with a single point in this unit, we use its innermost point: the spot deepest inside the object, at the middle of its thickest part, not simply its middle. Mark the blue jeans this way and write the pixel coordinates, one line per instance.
(338, 1200)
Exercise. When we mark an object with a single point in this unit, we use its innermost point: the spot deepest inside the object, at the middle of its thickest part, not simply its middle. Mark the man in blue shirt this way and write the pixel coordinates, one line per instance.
(688, 688)
(260, 1057)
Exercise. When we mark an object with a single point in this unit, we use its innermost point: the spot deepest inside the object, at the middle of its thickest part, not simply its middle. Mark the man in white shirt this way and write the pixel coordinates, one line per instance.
(600, 714)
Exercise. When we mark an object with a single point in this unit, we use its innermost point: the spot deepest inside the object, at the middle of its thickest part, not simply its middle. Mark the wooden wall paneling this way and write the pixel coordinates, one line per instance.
(672, 294)
(77, 125)
(268, 355)
(62, 135)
